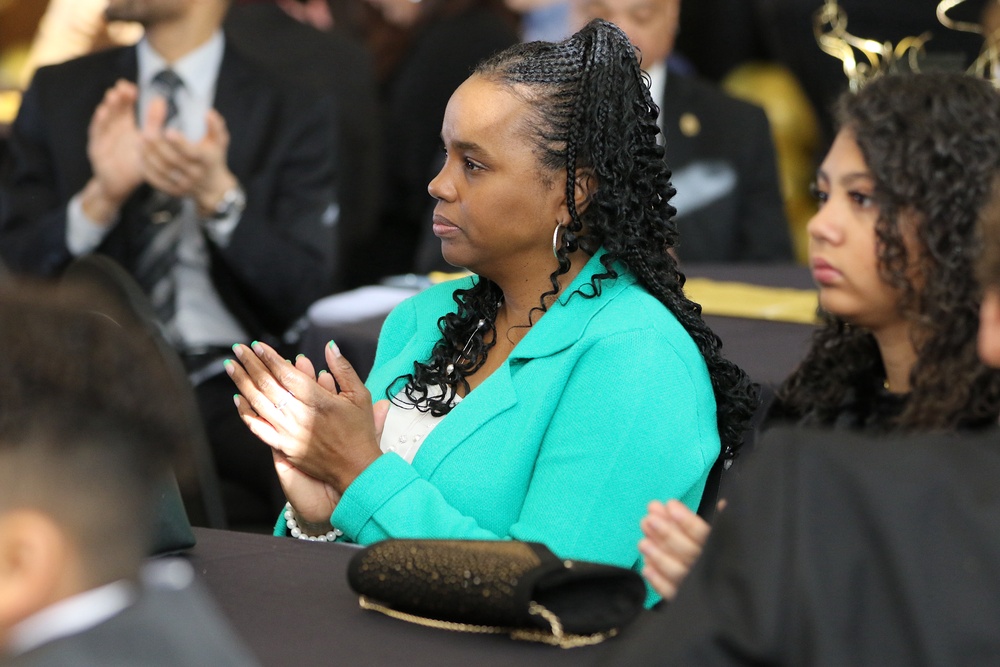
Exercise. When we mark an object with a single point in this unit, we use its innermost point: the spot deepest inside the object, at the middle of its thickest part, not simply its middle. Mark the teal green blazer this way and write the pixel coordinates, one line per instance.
(603, 406)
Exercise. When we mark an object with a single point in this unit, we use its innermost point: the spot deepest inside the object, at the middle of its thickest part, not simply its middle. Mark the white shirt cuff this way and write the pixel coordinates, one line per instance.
(82, 234)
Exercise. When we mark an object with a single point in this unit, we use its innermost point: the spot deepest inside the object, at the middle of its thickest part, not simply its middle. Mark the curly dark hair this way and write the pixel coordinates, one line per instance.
(592, 114)
(932, 144)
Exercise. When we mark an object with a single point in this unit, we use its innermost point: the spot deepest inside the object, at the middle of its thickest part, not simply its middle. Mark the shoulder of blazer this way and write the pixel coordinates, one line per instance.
(241, 80)
(103, 66)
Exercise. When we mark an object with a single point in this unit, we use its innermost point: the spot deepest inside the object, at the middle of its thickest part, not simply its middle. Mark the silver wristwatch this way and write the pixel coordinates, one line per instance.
(232, 203)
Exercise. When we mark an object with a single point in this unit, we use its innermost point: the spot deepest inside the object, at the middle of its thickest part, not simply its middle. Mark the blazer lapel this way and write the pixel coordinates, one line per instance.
(558, 329)
(245, 106)
(675, 105)
(494, 396)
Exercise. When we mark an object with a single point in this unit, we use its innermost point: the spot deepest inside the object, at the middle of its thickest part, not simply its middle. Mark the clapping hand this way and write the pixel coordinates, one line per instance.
(674, 539)
(114, 147)
(322, 429)
(182, 168)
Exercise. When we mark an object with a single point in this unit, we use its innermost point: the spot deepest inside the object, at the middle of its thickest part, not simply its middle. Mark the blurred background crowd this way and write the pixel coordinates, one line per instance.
(390, 66)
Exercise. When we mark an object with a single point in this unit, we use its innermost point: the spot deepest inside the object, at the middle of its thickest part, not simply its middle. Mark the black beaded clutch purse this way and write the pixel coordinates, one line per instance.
(499, 587)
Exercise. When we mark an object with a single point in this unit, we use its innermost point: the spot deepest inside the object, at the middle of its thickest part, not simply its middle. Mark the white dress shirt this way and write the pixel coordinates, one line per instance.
(201, 317)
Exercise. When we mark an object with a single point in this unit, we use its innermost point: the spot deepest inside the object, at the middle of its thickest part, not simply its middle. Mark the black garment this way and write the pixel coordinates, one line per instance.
(280, 257)
(721, 155)
(336, 65)
(872, 410)
(839, 549)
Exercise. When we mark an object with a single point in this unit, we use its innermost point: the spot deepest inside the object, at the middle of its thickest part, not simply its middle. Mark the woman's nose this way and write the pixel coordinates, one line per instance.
(440, 186)
(825, 225)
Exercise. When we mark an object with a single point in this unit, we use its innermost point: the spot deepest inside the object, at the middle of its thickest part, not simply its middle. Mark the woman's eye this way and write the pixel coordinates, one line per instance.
(472, 166)
(861, 199)
(821, 196)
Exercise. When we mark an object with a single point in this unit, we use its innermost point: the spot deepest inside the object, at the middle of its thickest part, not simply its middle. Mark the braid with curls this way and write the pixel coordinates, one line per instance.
(591, 112)
(932, 144)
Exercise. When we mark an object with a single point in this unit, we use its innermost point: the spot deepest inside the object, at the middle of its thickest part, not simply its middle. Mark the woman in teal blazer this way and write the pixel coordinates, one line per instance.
(563, 386)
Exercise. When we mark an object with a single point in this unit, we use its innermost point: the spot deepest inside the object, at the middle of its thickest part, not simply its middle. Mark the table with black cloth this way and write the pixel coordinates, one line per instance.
(768, 350)
(290, 602)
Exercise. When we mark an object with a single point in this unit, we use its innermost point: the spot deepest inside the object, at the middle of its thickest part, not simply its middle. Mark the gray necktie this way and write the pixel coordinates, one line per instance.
(162, 231)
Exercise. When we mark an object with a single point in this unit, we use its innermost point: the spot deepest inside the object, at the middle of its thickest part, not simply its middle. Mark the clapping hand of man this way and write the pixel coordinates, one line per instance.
(114, 148)
(123, 157)
(181, 168)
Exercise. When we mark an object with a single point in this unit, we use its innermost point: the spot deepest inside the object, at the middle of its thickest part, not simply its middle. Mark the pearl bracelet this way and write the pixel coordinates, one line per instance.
(293, 528)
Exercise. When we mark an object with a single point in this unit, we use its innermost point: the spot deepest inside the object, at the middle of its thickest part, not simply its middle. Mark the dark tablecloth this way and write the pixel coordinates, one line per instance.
(290, 601)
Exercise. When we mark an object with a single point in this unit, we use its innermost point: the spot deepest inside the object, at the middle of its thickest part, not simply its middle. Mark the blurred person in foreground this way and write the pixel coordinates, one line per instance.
(88, 426)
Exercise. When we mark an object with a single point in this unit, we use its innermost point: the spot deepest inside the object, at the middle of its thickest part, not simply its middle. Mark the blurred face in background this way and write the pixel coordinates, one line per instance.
(401, 13)
(651, 25)
(146, 12)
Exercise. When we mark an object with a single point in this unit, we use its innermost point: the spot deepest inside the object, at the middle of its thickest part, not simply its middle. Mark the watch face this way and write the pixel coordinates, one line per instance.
(232, 202)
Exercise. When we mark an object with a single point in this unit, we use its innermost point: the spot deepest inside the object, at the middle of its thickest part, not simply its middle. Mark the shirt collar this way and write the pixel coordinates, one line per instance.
(198, 69)
(71, 616)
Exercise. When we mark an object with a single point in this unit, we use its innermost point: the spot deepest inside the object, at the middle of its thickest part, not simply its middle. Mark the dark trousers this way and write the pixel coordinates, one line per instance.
(251, 495)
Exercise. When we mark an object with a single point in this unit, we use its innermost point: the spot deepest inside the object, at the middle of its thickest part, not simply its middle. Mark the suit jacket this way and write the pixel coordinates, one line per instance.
(173, 624)
(838, 549)
(721, 154)
(337, 65)
(279, 259)
(604, 405)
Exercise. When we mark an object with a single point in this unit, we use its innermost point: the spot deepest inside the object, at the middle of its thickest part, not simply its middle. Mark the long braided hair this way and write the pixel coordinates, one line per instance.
(932, 144)
(592, 113)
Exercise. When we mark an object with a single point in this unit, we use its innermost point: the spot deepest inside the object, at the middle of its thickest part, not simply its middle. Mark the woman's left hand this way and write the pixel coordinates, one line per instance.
(327, 433)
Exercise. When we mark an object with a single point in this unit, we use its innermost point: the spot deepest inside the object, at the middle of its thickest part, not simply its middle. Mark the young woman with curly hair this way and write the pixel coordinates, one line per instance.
(892, 249)
(568, 381)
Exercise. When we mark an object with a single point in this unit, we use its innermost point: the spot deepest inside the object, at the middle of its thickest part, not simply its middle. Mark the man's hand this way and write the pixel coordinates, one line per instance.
(114, 147)
(174, 165)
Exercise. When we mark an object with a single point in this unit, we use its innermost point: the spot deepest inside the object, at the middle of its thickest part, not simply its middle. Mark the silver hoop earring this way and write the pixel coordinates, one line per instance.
(555, 240)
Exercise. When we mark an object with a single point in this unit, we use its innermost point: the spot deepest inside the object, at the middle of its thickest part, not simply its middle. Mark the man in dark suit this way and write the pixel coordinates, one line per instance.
(211, 183)
(720, 150)
(88, 426)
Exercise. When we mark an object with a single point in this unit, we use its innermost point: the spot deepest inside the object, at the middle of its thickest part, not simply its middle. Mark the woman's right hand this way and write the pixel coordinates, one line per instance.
(674, 538)
(312, 499)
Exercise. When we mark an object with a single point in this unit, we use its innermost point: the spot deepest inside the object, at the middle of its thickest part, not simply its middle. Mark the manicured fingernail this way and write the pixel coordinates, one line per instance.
(228, 365)
(321, 372)
(299, 356)
(236, 399)
(257, 347)
(334, 348)
(237, 350)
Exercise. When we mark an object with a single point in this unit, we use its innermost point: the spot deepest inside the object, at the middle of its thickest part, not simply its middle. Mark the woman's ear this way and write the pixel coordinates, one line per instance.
(586, 186)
